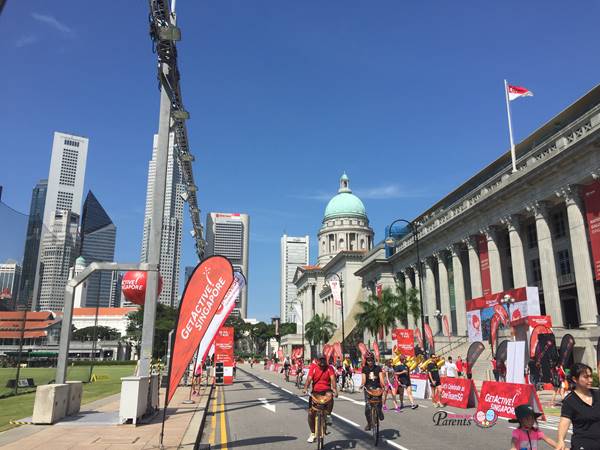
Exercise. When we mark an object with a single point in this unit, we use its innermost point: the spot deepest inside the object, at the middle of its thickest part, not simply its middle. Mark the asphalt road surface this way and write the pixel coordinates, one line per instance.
(261, 411)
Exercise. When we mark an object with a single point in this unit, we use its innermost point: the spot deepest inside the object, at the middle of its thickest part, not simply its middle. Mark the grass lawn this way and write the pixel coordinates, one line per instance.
(20, 406)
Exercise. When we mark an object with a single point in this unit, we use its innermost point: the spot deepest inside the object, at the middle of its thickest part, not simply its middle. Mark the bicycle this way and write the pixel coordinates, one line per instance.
(287, 375)
(319, 408)
(348, 385)
(299, 376)
(374, 401)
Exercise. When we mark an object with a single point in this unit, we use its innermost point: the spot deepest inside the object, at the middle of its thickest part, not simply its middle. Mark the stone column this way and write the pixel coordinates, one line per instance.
(580, 255)
(430, 294)
(408, 284)
(444, 288)
(474, 268)
(547, 262)
(517, 254)
(459, 291)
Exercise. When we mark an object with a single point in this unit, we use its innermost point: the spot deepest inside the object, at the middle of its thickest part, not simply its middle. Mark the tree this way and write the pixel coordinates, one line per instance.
(380, 313)
(103, 333)
(319, 329)
(165, 322)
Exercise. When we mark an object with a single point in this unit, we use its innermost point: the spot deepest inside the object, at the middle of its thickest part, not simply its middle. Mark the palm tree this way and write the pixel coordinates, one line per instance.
(406, 302)
(370, 318)
(319, 329)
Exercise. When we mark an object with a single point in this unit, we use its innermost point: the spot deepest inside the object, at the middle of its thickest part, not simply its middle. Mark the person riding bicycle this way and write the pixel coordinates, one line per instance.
(372, 378)
(298, 369)
(287, 366)
(322, 378)
(346, 369)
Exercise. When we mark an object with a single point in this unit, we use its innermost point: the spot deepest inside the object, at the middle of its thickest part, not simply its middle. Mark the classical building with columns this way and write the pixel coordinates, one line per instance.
(523, 228)
(344, 238)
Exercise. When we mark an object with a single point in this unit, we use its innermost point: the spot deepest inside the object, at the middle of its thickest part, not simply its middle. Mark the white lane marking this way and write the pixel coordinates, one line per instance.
(267, 405)
(302, 398)
(274, 384)
(289, 392)
(356, 402)
(393, 444)
(346, 420)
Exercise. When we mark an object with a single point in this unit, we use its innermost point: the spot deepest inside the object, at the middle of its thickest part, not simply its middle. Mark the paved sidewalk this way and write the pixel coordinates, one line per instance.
(96, 427)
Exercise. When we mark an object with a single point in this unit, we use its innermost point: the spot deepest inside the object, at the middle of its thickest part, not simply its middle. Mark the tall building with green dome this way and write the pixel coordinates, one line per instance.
(345, 225)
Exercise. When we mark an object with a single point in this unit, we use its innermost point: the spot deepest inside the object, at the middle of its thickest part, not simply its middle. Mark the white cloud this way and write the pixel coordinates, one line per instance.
(24, 41)
(52, 22)
(385, 192)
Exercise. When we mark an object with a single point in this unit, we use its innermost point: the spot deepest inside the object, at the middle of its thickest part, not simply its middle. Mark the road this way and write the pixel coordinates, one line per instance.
(260, 410)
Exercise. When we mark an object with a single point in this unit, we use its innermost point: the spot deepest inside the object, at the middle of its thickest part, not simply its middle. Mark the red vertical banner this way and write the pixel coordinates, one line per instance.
(591, 197)
(446, 326)
(419, 337)
(429, 337)
(202, 297)
(484, 264)
(405, 341)
(224, 352)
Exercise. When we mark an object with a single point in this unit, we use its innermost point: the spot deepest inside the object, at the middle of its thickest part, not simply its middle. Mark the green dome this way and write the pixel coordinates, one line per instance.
(80, 261)
(345, 203)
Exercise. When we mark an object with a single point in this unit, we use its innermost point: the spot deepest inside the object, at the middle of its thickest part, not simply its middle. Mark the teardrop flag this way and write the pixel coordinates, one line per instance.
(446, 326)
(376, 351)
(201, 299)
(363, 351)
(429, 336)
(338, 350)
(494, 324)
(419, 337)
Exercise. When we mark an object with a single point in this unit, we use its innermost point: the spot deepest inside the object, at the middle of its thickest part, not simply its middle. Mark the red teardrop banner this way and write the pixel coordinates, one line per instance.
(201, 299)
(419, 337)
(446, 326)
(376, 351)
(429, 337)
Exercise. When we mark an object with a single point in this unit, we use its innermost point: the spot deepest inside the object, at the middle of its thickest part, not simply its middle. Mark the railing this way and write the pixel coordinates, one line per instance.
(460, 340)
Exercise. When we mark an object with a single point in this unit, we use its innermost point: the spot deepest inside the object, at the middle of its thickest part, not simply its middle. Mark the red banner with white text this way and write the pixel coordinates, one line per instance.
(201, 299)
(503, 397)
(591, 198)
(458, 392)
(224, 352)
(484, 264)
(405, 341)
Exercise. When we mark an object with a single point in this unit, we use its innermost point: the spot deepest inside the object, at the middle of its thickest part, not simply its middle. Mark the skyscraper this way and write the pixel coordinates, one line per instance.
(170, 251)
(227, 235)
(58, 251)
(32, 242)
(64, 194)
(10, 273)
(98, 235)
(115, 289)
(294, 253)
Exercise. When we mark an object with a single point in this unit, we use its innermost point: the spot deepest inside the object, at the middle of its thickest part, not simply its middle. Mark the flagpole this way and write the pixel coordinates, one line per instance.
(510, 133)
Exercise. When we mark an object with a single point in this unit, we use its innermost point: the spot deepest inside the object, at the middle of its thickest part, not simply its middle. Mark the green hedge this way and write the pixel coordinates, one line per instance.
(88, 362)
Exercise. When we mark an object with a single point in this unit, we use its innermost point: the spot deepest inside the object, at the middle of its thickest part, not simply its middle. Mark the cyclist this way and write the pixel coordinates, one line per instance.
(286, 367)
(299, 371)
(346, 369)
(322, 378)
(372, 378)
(404, 384)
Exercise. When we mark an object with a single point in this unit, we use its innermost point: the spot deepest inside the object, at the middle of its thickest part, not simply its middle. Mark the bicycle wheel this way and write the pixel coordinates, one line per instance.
(375, 424)
(319, 431)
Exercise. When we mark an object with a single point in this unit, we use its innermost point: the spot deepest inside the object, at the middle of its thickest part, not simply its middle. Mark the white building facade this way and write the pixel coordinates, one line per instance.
(227, 234)
(64, 193)
(502, 230)
(170, 251)
(295, 252)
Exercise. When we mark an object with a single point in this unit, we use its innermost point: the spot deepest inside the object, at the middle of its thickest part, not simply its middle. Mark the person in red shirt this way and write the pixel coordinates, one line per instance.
(322, 378)
(459, 366)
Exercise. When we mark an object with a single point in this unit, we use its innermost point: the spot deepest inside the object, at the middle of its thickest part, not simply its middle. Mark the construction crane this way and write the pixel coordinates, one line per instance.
(164, 34)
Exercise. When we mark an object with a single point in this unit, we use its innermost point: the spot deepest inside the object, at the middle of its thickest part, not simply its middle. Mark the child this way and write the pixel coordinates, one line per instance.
(527, 435)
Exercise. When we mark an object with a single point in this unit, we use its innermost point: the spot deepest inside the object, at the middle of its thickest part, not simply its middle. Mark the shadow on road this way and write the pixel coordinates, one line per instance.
(340, 444)
(257, 441)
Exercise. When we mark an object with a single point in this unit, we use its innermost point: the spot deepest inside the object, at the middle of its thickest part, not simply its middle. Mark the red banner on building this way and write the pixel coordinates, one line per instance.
(484, 264)
(405, 341)
(458, 392)
(224, 352)
(201, 299)
(503, 397)
(591, 197)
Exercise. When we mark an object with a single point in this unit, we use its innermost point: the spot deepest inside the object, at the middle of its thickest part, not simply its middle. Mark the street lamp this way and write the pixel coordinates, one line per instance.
(301, 303)
(340, 281)
(391, 242)
(438, 316)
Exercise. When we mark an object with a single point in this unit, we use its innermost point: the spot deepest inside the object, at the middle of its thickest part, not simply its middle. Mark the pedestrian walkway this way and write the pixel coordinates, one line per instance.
(96, 427)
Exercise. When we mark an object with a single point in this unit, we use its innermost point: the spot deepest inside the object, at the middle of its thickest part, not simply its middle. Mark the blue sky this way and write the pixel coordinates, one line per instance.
(407, 97)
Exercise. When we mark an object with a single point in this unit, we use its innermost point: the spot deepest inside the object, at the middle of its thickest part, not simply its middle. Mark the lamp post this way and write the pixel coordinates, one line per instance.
(438, 316)
(340, 281)
(391, 241)
(301, 303)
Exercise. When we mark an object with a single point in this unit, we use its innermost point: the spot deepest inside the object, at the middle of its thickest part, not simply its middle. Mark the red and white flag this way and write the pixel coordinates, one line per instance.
(514, 92)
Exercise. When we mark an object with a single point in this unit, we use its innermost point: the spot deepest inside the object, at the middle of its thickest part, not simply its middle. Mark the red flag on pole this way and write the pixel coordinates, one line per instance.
(201, 299)
(429, 336)
(419, 338)
(446, 326)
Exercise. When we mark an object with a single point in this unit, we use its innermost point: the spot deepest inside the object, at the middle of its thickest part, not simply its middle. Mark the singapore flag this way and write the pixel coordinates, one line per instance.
(514, 92)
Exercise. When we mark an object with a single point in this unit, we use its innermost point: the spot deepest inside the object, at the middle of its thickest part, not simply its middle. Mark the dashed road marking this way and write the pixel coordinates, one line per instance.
(289, 392)
(354, 424)
(393, 444)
